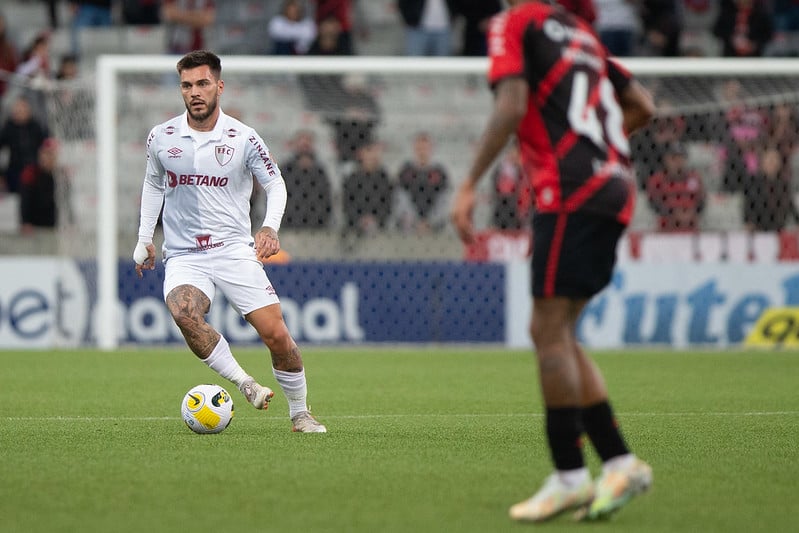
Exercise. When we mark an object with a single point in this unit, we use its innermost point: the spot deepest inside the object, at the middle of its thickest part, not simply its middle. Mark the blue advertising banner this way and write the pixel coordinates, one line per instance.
(669, 305)
(346, 302)
(50, 303)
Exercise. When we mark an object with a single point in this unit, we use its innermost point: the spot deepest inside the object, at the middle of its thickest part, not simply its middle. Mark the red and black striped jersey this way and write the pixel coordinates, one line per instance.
(573, 142)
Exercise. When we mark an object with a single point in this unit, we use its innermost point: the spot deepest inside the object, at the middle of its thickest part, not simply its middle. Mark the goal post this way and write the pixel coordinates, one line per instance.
(447, 97)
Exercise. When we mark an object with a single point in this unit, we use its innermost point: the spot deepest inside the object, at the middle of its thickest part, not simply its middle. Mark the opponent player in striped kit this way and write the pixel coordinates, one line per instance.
(572, 109)
(200, 167)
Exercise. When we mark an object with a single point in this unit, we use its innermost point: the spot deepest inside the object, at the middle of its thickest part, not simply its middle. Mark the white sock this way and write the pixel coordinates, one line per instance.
(574, 478)
(223, 363)
(295, 389)
(620, 462)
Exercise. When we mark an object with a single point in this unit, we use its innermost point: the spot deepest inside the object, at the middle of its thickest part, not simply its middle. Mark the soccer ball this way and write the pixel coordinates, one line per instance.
(207, 409)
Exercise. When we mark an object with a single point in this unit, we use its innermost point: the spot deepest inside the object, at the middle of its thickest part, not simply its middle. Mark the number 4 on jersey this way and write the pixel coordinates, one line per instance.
(583, 116)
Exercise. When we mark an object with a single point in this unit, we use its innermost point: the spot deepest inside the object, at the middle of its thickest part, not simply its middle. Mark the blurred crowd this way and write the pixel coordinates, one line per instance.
(438, 27)
(754, 145)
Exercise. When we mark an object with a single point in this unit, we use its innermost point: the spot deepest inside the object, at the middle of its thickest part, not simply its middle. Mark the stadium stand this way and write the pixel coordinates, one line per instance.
(459, 105)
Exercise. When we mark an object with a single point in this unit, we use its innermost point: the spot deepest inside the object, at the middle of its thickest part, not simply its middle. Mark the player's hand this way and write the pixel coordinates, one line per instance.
(144, 256)
(267, 243)
(462, 211)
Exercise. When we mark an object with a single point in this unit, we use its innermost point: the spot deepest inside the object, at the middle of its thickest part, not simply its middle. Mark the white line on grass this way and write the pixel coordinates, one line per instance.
(396, 415)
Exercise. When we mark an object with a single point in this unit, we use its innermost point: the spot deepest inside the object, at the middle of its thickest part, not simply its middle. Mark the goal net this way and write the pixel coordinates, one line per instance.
(365, 118)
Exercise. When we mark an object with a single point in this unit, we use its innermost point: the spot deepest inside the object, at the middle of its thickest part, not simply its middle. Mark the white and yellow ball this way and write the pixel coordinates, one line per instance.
(207, 409)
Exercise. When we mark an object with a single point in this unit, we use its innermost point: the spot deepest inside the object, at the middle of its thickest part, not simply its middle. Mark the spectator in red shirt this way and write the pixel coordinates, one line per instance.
(513, 196)
(744, 27)
(38, 206)
(344, 12)
(329, 40)
(676, 192)
(9, 57)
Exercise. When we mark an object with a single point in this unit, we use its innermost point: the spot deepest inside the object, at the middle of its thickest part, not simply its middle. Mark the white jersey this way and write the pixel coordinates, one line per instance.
(205, 180)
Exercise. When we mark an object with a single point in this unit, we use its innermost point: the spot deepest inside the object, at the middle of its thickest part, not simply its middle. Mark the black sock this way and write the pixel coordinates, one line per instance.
(603, 430)
(563, 432)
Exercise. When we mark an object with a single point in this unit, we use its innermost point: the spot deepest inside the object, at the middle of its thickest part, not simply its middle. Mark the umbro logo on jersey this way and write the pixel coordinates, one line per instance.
(174, 152)
(169, 130)
(224, 154)
(231, 133)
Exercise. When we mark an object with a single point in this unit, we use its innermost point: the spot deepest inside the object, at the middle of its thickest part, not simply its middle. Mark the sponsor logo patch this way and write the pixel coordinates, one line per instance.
(205, 242)
(196, 180)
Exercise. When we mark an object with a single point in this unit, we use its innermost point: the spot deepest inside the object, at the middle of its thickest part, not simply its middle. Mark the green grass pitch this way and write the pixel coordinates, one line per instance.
(420, 440)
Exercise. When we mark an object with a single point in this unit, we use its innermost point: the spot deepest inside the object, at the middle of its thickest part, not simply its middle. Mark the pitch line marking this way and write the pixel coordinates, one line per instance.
(397, 415)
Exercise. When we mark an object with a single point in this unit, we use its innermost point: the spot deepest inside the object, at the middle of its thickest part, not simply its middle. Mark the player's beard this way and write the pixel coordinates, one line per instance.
(202, 116)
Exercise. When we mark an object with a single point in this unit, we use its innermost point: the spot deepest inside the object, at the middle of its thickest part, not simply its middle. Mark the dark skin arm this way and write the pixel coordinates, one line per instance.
(510, 107)
(637, 106)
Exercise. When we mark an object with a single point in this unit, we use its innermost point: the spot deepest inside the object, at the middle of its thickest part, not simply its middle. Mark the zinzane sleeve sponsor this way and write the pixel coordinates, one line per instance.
(265, 169)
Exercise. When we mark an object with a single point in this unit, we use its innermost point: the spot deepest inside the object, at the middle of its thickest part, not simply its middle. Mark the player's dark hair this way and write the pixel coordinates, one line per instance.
(199, 58)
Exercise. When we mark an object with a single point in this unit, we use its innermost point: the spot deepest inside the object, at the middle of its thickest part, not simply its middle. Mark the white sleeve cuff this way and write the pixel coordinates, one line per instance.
(276, 196)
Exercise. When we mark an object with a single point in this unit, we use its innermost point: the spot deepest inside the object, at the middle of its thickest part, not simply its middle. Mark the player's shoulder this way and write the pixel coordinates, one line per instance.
(530, 10)
(234, 130)
(516, 20)
(521, 15)
(165, 129)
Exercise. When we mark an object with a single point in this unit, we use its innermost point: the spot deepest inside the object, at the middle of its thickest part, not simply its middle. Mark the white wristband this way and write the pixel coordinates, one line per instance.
(140, 254)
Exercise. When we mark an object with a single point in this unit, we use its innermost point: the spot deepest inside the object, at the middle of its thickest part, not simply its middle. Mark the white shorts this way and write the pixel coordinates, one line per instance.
(234, 270)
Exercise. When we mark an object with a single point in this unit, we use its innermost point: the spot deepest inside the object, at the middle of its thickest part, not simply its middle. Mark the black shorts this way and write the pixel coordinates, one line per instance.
(573, 253)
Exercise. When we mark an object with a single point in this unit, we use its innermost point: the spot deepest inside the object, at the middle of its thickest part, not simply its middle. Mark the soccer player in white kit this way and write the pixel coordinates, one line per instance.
(200, 167)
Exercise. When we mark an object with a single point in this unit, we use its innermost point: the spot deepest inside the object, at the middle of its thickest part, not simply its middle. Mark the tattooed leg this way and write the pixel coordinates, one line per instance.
(188, 306)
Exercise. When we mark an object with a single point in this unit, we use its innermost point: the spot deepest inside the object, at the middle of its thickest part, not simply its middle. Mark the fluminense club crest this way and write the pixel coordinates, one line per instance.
(224, 154)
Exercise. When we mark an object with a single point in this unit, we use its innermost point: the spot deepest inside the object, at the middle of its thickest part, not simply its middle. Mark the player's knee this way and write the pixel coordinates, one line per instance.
(276, 338)
(537, 331)
(546, 332)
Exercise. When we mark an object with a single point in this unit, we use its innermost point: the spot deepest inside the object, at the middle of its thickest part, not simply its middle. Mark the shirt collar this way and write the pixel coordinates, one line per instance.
(216, 133)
